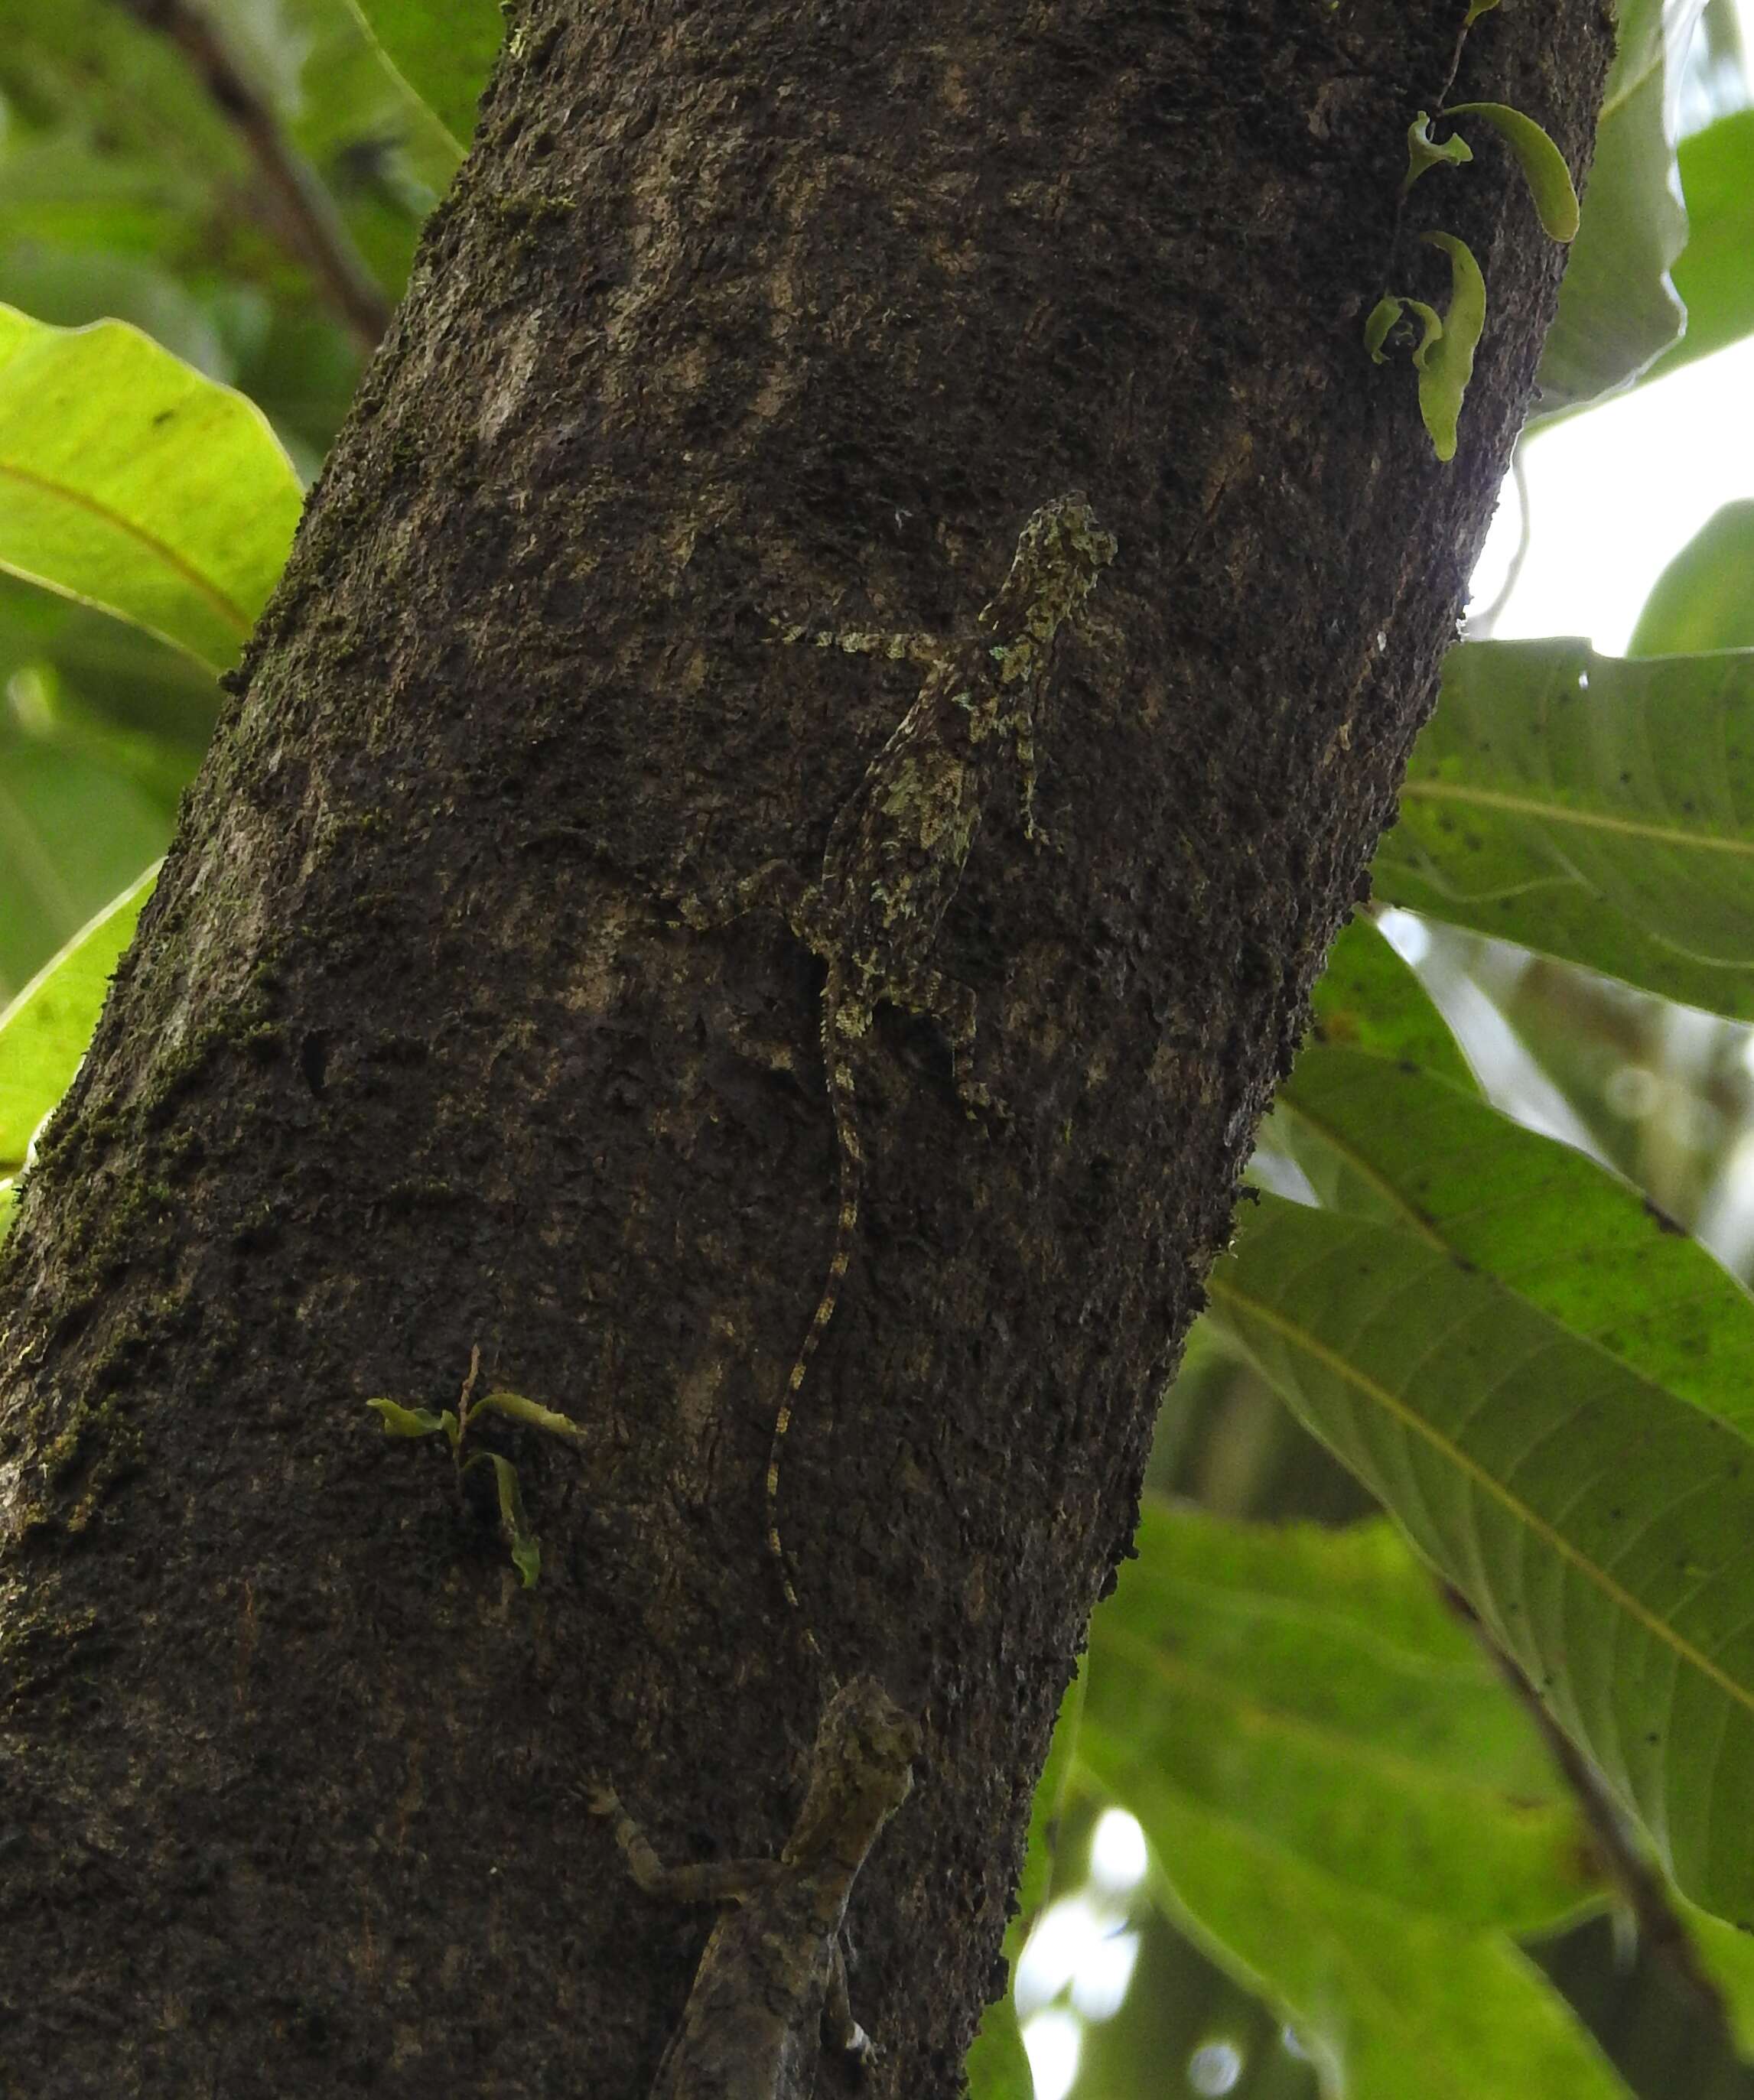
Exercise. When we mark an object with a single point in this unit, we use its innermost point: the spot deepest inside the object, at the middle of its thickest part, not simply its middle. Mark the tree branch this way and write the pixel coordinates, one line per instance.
(299, 209)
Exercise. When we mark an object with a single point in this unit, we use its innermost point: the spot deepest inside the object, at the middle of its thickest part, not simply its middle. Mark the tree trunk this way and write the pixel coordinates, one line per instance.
(737, 314)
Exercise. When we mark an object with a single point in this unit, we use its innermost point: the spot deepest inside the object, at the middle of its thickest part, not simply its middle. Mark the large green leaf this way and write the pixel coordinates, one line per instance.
(1618, 310)
(1715, 272)
(1310, 1681)
(1599, 1523)
(1347, 1807)
(129, 480)
(1704, 599)
(1368, 998)
(443, 50)
(1396, 1144)
(1593, 808)
(44, 1032)
(75, 827)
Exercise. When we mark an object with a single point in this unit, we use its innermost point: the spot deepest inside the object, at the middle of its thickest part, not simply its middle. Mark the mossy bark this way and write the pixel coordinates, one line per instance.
(736, 313)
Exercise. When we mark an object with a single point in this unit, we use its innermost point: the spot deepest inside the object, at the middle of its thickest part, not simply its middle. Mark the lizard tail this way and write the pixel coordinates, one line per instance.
(852, 1161)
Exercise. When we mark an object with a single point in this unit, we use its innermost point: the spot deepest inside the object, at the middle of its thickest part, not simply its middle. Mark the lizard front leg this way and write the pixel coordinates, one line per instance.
(776, 886)
(714, 1880)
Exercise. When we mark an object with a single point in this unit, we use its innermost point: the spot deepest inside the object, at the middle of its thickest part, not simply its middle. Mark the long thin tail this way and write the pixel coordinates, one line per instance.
(852, 1161)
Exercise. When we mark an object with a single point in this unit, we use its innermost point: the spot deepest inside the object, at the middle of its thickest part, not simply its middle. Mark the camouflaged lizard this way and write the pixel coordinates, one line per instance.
(897, 850)
(772, 1980)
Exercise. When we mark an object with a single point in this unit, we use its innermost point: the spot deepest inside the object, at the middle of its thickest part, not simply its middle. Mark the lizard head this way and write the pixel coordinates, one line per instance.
(865, 1748)
(1061, 552)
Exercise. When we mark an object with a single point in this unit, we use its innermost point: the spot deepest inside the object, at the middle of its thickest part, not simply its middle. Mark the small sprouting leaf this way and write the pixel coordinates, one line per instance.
(1433, 323)
(1475, 9)
(1424, 152)
(1383, 317)
(521, 1409)
(1446, 362)
(526, 1548)
(410, 1421)
(1543, 165)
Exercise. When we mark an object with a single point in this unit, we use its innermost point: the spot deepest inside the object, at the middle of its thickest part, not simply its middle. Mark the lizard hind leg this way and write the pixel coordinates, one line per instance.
(951, 1005)
(838, 2026)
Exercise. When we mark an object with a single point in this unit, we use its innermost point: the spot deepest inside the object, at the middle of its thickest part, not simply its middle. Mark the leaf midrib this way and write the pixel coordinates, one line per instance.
(226, 607)
(1665, 1635)
(1593, 820)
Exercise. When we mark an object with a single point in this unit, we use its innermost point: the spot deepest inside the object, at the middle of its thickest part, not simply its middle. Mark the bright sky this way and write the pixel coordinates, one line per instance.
(1616, 493)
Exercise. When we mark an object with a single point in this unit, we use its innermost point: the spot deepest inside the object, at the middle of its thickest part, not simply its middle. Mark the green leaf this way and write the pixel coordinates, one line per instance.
(1597, 1522)
(1390, 1142)
(1543, 165)
(44, 1032)
(525, 1548)
(1310, 1682)
(1617, 307)
(400, 1421)
(1593, 808)
(1368, 1987)
(1368, 998)
(443, 50)
(1347, 1808)
(1476, 9)
(1423, 151)
(1445, 362)
(75, 829)
(129, 480)
(520, 1409)
(1712, 274)
(997, 2068)
(1727, 1958)
(1382, 317)
(1704, 599)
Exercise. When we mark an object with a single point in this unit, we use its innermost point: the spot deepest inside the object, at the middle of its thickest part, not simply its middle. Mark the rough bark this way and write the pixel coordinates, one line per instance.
(736, 312)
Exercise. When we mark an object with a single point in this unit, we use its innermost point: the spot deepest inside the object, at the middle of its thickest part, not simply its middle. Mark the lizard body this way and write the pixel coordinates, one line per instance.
(897, 850)
(772, 1978)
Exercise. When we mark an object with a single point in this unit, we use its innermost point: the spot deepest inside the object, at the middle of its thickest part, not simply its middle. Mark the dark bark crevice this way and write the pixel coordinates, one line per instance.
(735, 313)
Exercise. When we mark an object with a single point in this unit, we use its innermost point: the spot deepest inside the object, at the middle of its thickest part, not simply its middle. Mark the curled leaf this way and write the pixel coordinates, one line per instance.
(525, 1547)
(1445, 362)
(1543, 165)
(521, 1409)
(1432, 321)
(1383, 317)
(1424, 152)
(1475, 9)
(400, 1421)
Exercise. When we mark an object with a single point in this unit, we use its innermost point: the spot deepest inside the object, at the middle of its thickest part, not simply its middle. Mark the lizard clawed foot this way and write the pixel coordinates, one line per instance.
(600, 1797)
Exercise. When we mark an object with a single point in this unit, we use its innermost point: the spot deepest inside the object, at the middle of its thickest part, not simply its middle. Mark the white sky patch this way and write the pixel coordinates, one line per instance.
(1052, 2042)
(1105, 1969)
(1616, 493)
(1117, 1851)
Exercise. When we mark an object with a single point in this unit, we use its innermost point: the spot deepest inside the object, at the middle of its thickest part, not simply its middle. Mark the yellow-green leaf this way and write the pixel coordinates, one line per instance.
(44, 1032)
(1424, 152)
(132, 482)
(1543, 165)
(400, 1421)
(525, 1548)
(521, 1409)
(1446, 365)
(1383, 317)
